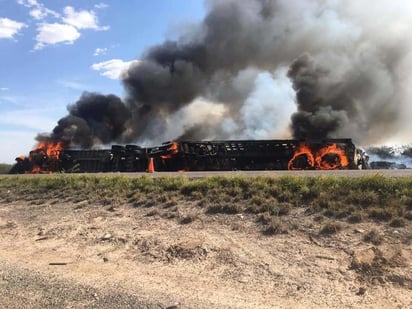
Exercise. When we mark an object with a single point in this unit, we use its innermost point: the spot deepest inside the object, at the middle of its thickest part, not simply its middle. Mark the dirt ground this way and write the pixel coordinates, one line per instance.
(81, 255)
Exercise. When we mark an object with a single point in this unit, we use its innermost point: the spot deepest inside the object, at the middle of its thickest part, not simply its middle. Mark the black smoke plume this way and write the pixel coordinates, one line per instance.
(93, 119)
(346, 62)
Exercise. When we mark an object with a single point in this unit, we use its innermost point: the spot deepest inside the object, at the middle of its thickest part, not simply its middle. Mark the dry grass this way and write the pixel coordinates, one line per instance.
(275, 226)
(374, 237)
(355, 217)
(354, 200)
(330, 228)
(189, 218)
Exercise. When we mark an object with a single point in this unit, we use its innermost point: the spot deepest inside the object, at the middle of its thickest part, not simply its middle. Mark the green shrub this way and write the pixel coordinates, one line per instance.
(5, 168)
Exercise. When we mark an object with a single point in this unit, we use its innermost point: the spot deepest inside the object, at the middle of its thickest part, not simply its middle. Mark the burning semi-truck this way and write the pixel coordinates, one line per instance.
(224, 155)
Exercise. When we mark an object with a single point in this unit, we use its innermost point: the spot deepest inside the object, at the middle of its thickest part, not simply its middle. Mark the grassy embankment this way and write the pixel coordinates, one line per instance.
(332, 201)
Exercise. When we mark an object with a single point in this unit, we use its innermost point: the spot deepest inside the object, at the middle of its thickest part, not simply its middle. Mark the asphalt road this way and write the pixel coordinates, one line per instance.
(317, 173)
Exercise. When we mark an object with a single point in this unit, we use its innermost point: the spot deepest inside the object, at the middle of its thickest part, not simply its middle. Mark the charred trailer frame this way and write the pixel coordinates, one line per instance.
(129, 158)
(200, 156)
(255, 155)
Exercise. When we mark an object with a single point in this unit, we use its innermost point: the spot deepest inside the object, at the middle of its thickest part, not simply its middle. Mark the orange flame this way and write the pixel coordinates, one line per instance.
(326, 158)
(50, 152)
(35, 170)
(302, 150)
(172, 150)
(339, 158)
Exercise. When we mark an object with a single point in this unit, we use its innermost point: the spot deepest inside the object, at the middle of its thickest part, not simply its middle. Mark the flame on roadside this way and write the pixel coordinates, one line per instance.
(44, 156)
(171, 151)
(326, 158)
(302, 152)
(331, 157)
(52, 150)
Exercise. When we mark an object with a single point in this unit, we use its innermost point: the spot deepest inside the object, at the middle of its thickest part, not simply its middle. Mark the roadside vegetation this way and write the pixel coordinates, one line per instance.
(5, 168)
(330, 202)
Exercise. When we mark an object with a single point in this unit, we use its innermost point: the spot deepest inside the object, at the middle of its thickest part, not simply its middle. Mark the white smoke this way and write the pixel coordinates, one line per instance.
(266, 112)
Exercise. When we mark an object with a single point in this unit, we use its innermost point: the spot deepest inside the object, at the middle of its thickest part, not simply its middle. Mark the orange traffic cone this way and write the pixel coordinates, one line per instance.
(150, 167)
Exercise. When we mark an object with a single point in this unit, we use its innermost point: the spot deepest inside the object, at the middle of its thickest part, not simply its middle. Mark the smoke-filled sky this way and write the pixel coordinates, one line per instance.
(216, 69)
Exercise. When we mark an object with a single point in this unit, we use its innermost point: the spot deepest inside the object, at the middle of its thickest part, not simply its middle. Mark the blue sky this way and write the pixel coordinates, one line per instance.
(53, 50)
